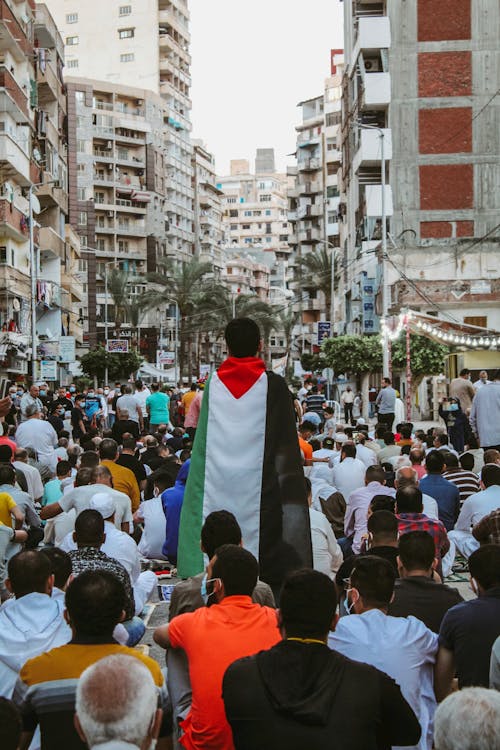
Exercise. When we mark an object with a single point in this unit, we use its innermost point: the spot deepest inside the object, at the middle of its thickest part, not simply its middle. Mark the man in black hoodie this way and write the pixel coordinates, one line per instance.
(301, 694)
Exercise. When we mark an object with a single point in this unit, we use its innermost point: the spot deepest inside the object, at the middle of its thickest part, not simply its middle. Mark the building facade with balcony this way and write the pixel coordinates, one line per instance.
(422, 78)
(208, 208)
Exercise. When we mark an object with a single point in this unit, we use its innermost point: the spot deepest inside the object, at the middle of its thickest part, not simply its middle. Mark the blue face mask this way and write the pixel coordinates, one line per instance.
(43, 393)
(72, 390)
(203, 588)
(348, 607)
(453, 407)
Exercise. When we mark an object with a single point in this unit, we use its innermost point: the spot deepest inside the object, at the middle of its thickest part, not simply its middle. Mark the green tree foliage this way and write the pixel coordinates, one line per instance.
(120, 366)
(427, 356)
(354, 354)
(313, 362)
(316, 272)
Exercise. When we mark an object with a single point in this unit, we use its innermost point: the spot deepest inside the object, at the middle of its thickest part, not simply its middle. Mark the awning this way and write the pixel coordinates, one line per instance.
(125, 189)
(141, 197)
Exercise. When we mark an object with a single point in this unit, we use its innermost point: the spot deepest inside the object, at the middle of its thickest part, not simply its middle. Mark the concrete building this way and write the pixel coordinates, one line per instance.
(208, 210)
(246, 273)
(426, 76)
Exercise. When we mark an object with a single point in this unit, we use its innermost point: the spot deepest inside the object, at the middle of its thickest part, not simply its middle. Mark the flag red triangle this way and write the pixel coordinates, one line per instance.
(239, 374)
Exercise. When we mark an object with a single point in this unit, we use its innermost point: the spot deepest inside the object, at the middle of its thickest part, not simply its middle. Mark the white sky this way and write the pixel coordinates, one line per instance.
(252, 62)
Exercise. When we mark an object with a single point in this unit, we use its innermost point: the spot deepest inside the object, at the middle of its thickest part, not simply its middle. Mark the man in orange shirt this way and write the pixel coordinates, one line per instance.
(123, 479)
(306, 431)
(230, 627)
(188, 398)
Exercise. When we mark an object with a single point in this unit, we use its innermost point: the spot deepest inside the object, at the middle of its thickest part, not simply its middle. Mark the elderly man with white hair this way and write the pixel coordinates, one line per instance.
(117, 705)
(39, 435)
(468, 720)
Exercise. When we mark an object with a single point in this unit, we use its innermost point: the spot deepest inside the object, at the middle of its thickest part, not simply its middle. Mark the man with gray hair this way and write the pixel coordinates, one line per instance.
(123, 425)
(468, 720)
(406, 476)
(117, 705)
(40, 435)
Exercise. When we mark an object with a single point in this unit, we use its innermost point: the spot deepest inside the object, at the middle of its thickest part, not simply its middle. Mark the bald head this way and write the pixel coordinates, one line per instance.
(406, 476)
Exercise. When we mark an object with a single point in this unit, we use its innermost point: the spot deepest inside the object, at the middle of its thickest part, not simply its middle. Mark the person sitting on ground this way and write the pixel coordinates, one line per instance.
(128, 459)
(31, 474)
(410, 515)
(390, 449)
(475, 508)
(417, 456)
(32, 622)
(31, 523)
(368, 457)
(233, 622)
(54, 490)
(6, 457)
(39, 435)
(306, 431)
(149, 456)
(89, 459)
(124, 426)
(123, 479)
(382, 541)
(95, 603)
(349, 474)
(417, 592)
(469, 629)
(487, 531)
(468, 720)
(150, 515)
(406, 476)
(62, 570)
(466, 481)
(300, 694)
(117, 702)
(358, 502)
(327, 555)
(405, 435)
(10, 541)
(172, 500)
(444, 492)
(441, 442)
(402, 647)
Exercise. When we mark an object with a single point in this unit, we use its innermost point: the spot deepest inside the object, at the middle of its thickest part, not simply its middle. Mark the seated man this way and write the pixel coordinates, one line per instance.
(475, 508)
(487, 531)
(46, 687)
(444, 492)
(468, 719)
(235, 625)
(150, 515)
(327, 555)
(469, 630)
(358, 502)
(10, 539)
(402, 647)
(172, 499)
(124, 426)
(417, 592)
(299, 694)
(32, 622)
(406, 476)
(32, 522)
(117, 702)
(466, 481)
(410, 515)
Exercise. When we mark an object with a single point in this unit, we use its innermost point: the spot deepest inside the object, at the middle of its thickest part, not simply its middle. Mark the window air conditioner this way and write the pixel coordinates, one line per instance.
(372, 66)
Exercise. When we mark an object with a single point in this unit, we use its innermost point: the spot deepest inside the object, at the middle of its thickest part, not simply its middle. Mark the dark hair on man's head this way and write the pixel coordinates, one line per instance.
(349, 431)
(442, 438)
(237, 568)
(155, 386)
(464, 371)
(63, 468)
(375, 474)
(387, 381)
(490, 475)
(220, 528)
(409, 500)
(10, 725)
(450, 460)
(307, 427)
(242, 337)
(484, 565)
(89, 528)
(7, 474)
(374, 578)
(383, 524)
(6, 454)
(380, 431)
(417, 455)
(405, 432)
(108, 449)
(28, 572)
(95, 601)
(129, 443)
(348, 450)
(308, 601)
(417, 550)
(389, 438)
(60, 564)
(382, 502)
(467, 461)
(89, 459)
(434, 462)
(491, 456)
(163, 480)
(315, 445)
(85, 475)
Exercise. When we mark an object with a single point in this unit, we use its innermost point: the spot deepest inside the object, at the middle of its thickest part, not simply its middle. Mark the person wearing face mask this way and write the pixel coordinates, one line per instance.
(31, 398)
(402, 647)
(456, 422)
(172, 500)
(469, 630)
(79, 421)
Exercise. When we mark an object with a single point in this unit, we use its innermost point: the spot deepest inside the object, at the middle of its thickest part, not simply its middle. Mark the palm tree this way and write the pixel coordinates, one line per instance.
(117, 284)
(316, 272)
(287, 319)
(185, 284)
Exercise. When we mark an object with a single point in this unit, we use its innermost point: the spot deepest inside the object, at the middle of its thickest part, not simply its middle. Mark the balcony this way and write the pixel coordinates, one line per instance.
(309, 235)
(372, 33)
(46, 32)
(13, 98)
(14, 162)
(309, 188)
(309, 165)
(51, 244)
(369, 150)
(373, 200)
(376, 90)
(51, 195)
(12, 36)
(13, 223)
(49, 86)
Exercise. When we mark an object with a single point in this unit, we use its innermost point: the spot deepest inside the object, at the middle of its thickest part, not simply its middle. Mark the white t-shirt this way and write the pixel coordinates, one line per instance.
(41, 436)
(327, 555)
(140, 397)
(348, 475)
(79, 499)
(33, 479)
(153, 536)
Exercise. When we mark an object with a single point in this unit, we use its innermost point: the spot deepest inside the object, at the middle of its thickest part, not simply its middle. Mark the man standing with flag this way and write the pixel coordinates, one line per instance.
(246, 459)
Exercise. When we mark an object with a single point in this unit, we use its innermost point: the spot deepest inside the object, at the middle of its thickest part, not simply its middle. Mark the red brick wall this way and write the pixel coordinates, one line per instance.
(444, 74)
(465, 229)
(16, 93)
(445, 131)
(443, 20)
(446, 186)
(436, 229)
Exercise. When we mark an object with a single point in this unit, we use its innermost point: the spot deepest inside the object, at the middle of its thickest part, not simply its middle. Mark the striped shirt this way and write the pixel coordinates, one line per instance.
(466, 481)
(46, 688)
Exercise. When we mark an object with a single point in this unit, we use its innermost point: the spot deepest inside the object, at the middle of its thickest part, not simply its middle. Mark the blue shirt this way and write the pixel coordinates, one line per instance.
(386, 400)
(52, 492)
(446, 495)
(171, 501)
(158, 404)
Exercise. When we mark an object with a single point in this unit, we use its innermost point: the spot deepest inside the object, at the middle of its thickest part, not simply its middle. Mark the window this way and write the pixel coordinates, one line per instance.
(128, 57)
(233, 213)
(245, 226)
(285, 225)
(332, 118)
(80, 167)
(476, 320)
(265, 198)
(83, 240)
(269, 239)
(332, 191)
(72, 41)
(80, 97)
(122, 154)
(72, 18)
(81, 146)
(125, 10)
(268, 212)
(82, 194)
(257, 213)
(82, 219)
(248, 213)
(99, 197)
(233, 227)
(268, 229)
(230, 200)
(101, 245)
(126, 33)
(283, 238)
(123, 246)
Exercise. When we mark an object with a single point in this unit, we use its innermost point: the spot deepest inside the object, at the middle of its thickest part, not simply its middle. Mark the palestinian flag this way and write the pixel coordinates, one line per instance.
(246, 459)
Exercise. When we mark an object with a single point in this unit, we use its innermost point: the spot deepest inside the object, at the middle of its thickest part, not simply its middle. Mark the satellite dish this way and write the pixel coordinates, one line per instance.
(35, 204)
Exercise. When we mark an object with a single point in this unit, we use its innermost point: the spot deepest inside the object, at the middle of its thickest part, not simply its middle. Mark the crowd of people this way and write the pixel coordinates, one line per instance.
(333, 626)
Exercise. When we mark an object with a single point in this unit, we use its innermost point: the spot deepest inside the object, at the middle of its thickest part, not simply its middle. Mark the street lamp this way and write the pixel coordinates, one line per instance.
(332, 282)
(385, 285)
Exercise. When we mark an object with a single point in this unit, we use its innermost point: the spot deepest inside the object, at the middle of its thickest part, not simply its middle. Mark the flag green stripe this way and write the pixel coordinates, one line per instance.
(189, 555)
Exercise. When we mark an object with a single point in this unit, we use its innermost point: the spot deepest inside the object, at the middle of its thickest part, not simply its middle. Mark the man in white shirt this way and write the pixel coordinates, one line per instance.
(364, 454)
(39, 435)
(475, 508)
(402, 647)
(129, 402)
(327, 555)
(320, 470)
(483, 380)
(33, 478)
(30, 398)
(358, 502)
(349, 474)
(140, 395)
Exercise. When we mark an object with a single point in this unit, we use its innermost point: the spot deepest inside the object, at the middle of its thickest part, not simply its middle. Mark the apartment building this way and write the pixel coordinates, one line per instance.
(255, 211)
(246, 273)
(208, 227)
(421, 79)
(118, 190)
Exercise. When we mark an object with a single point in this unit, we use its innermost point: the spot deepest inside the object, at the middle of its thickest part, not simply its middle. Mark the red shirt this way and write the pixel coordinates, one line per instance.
(4, 440)
(213, 637)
